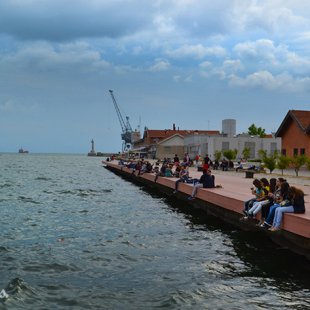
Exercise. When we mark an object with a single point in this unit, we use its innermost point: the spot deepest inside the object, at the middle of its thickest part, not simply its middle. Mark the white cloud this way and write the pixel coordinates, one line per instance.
(43, 57)
(196, 51)
(263, 54)
(160, 65)
(205, 64)
(231, 65)
(262, 49)
(266, 80)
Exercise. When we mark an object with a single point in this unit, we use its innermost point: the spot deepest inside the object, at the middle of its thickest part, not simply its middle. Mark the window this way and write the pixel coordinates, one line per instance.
(295, 152)
(283, 152)
(225, 146)
(302, 151)
(273, 147)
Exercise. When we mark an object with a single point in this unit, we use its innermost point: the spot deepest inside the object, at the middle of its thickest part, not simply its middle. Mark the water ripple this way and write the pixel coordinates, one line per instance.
(77, 236)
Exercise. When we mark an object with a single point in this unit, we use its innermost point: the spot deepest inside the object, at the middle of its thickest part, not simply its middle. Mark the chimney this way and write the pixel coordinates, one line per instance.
(174, 127)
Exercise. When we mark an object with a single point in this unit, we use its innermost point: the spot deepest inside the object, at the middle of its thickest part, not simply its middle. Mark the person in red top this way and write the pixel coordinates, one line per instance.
(206, 162)
(197, 160)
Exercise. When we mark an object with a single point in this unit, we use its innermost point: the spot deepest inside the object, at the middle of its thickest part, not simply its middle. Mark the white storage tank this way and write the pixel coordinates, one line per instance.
(229, 127)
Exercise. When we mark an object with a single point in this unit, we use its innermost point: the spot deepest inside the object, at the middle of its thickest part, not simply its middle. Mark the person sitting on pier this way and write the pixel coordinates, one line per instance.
(146, 167)
(161, 172)
(206, 181)
(281, 200)
(168, 171)
(265, 203)
(177, 171)
(273, 196)
(184, 176)
(257, 205)
(257, 190)
(297, 205)
(176, 160)
(137, 167)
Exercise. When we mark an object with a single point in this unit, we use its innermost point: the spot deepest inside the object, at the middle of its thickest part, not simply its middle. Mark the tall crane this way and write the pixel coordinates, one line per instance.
(126, 127)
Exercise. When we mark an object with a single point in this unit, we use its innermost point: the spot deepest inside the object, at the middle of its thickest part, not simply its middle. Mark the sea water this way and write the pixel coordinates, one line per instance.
(76, 236)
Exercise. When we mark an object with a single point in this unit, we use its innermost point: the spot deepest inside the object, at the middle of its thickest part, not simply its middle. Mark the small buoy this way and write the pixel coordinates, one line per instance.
(61, 239)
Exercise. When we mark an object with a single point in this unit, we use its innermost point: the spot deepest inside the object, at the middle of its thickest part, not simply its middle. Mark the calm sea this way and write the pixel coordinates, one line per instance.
(76, 236)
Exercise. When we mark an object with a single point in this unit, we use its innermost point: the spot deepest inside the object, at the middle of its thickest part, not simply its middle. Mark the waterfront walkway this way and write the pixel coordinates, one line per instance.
(235, 190)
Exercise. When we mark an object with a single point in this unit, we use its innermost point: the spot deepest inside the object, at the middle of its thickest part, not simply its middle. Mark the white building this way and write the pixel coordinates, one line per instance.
(203, 144)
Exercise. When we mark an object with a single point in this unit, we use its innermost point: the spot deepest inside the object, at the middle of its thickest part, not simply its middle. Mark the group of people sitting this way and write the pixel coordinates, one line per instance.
(272, 199)
(175, 169)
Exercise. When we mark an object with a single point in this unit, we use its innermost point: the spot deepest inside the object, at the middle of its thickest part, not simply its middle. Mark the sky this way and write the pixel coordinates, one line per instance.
(191, 63)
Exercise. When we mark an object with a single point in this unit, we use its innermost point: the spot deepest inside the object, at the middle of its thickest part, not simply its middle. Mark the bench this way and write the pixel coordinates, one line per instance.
(249, 174)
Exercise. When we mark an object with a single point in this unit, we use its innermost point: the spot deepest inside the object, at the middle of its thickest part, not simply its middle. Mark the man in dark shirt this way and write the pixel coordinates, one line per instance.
(206, 181)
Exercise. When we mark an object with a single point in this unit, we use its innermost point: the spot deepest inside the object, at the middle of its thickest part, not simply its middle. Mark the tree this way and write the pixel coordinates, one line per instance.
(262, 154)
(256, 131)
(246, 153)
(308, 163)
(270, 162)
(297, 162)
(230, 154)
(283, 162)
(218, 155)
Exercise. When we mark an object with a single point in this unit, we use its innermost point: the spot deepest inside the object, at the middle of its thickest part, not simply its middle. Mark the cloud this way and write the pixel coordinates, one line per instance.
(196, 51)
(271, 16)
(59, 20)
(160, 65)
(264, 54)
(262, 49)
(44, 57)
(266, 80)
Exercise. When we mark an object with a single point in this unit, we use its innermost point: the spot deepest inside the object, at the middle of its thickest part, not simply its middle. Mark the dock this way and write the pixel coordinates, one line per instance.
(227, 203)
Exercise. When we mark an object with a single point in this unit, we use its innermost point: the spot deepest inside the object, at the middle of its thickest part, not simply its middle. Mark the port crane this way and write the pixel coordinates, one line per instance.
(127, 132)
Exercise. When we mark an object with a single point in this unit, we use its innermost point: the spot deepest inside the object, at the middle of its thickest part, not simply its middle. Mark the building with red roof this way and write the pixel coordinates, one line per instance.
(295, 133)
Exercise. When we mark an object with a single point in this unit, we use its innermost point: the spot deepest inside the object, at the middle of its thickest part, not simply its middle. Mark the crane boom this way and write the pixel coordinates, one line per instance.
(118, 112)
(126, 127)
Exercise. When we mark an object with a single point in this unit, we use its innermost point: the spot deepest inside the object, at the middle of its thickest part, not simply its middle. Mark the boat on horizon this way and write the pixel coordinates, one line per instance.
(22, 151)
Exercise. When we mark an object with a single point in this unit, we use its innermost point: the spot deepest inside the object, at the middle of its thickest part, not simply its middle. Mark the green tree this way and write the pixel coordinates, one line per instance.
(308, 163)
(297, 162)
(230, 154)
(246, 153)
(262, 154)
(256, 131)
(218, 155)
(270, 162)
(283, 162)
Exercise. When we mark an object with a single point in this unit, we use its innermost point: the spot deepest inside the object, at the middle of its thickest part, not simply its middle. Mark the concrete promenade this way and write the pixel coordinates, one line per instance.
(235, 190)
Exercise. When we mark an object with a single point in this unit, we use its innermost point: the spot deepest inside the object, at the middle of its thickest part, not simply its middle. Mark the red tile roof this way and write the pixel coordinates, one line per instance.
(302, 119)
(169, 132)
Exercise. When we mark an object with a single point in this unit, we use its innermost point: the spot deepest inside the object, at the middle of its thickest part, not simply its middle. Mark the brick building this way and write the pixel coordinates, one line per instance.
(295, 133)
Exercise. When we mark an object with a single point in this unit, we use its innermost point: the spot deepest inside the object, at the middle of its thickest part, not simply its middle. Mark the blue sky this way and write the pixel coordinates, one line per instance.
(188, 62)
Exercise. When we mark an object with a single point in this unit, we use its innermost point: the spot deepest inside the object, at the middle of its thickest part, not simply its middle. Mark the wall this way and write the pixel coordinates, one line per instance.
(210, 144)
(293, 137)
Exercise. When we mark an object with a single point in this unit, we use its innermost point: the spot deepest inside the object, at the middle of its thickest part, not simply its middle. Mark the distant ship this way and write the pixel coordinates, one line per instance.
(22, 151)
